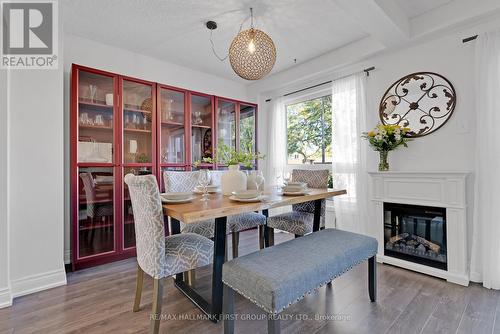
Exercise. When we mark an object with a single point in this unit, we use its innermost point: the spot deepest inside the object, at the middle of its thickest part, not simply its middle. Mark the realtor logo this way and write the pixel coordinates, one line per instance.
(29, 35)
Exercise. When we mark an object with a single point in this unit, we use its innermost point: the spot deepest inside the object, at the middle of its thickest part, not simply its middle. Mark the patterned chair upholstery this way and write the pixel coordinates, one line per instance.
(157, 255)
(300, 220)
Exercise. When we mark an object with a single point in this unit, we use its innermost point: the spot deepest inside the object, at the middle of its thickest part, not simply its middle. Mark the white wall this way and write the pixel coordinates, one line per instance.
(97, 55)
(449, 148)
(5, 295)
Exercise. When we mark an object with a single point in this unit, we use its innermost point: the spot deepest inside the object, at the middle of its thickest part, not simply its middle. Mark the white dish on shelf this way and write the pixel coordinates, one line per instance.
(246, 200)
(178, 201)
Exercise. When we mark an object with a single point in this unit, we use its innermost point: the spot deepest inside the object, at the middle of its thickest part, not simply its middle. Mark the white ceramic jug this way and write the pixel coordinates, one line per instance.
(233, 180)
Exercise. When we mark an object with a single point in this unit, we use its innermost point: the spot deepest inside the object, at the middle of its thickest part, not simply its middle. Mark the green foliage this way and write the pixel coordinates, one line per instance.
(225, 155)
(387, 137)
(309, 128)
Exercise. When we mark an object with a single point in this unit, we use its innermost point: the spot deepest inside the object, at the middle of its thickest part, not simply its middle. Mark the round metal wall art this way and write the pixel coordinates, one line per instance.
(252, 63)
(422, 101)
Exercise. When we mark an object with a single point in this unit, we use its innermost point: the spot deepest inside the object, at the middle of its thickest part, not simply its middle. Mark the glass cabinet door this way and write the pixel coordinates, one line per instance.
(201, 127)
(172, 134)
(137, 122)
(247, 128)
(128, 215)
(226, 123)
(95, 118)
(96, 231)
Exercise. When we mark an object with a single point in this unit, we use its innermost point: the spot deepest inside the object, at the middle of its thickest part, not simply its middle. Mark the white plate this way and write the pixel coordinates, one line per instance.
(177, 201)
(245, 200)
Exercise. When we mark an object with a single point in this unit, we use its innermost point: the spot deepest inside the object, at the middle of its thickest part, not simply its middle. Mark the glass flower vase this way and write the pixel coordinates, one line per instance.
(383, 165)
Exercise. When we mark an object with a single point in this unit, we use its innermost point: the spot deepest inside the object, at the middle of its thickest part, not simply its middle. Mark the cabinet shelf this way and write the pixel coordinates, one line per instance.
(136, 110)
(96, 127)
(165, 123)
(95, 105)
(201, 126)
(136, 130)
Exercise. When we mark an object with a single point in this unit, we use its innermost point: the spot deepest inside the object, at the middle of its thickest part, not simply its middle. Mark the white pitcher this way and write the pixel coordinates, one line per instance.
(233, 180)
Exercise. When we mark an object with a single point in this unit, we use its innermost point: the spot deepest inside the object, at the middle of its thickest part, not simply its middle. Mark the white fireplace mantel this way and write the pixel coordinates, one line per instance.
(439, 189)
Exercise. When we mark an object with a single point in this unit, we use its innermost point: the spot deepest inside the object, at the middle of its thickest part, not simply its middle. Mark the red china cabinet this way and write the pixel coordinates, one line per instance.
(123, 125)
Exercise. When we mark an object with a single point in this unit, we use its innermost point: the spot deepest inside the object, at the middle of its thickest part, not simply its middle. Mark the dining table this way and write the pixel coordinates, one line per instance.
(219, 207)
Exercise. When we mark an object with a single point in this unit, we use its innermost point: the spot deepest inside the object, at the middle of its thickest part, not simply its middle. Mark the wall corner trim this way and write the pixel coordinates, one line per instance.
(35, 283)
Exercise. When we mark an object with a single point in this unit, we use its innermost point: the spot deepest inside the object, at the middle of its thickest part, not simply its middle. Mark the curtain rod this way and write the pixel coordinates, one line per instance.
(468, 39)
(366, 70)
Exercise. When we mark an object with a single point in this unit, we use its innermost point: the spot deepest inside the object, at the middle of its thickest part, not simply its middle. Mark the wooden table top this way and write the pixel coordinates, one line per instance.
(221, 206)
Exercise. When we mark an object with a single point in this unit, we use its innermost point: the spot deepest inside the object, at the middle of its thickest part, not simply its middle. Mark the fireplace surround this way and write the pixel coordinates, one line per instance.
(421, 221)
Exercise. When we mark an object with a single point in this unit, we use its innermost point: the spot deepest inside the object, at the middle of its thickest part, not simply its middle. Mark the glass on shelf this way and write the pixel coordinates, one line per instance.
(95, 211)
(128, 215)
(137, 122)
(201, 111)
(172, 134)
(226, 123)
(95, 118)
(247, 127)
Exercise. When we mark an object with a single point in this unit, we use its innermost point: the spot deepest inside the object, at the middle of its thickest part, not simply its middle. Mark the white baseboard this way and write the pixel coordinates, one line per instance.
(5, 298)
(31, 284)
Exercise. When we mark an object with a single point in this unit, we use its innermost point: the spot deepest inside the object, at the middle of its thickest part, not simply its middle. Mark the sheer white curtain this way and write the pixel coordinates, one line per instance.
(276, 157)
(349, 152)
(485, 264)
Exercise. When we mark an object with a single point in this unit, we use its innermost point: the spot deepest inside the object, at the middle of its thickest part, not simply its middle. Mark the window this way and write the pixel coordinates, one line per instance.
(309, 131)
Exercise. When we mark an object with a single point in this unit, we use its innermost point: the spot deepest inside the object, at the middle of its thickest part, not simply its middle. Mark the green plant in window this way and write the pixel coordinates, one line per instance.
(142, 158)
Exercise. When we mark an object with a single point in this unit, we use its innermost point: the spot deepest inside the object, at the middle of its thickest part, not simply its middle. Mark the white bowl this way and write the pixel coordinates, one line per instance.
(246, 194)
(293, 189)
(212, 187)
(176, 196)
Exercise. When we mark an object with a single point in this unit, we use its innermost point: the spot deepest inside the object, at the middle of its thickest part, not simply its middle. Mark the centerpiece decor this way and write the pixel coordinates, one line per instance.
(385, 138)
(234, 179)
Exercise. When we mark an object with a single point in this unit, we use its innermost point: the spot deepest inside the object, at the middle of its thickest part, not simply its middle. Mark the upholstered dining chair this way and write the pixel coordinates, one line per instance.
(187, 181)
(299, 221)
(157, 255)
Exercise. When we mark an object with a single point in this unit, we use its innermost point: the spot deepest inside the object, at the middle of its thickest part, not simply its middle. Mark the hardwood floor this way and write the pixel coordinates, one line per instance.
(100, 300)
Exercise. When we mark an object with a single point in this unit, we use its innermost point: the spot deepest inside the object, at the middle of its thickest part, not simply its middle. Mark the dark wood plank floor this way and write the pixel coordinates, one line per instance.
(99, 300)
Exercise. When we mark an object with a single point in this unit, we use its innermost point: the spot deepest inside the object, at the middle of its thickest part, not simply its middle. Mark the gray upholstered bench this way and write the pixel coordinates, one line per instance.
(277, 277)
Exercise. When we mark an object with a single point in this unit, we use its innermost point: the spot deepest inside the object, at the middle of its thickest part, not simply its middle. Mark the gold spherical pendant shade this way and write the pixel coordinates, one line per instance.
(252, 54)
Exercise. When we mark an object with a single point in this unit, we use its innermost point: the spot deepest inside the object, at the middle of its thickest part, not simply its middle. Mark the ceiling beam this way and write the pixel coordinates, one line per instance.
(382, 19)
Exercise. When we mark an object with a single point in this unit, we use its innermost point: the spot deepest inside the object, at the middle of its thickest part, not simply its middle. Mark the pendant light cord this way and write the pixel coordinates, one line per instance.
(241, 27)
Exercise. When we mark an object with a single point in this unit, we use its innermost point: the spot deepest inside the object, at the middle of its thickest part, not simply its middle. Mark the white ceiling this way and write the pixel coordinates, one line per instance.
(175, 30)
(414, 8)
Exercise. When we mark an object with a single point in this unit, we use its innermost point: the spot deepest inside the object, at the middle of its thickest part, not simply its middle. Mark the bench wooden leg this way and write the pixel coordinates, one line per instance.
(157, 301)
(138, 289)
(270, 236)
(372, 278)
(273, 324)
(191, 277)
(235, 244)
(228, 310)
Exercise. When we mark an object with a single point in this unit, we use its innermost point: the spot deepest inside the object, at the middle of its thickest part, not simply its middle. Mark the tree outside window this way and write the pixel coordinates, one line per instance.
(309, 131)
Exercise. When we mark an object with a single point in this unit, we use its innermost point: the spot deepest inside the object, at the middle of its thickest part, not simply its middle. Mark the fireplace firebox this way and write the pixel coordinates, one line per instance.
(416, 233)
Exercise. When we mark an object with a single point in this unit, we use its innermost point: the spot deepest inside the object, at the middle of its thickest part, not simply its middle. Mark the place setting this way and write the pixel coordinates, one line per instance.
(294, 189)
(203, 188)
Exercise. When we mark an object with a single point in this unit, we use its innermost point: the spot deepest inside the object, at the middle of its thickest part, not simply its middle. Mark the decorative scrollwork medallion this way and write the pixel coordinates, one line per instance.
(422, 101)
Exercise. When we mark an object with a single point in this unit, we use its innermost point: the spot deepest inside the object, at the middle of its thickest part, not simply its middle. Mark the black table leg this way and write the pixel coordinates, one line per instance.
(317, 215)
(212, 310)
(266, 229)
(219, 254)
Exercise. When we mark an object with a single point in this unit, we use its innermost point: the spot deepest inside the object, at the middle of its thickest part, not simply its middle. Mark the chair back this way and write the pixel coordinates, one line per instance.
(314, 179)
(178, 181)
(89, 188)
(148, 222)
